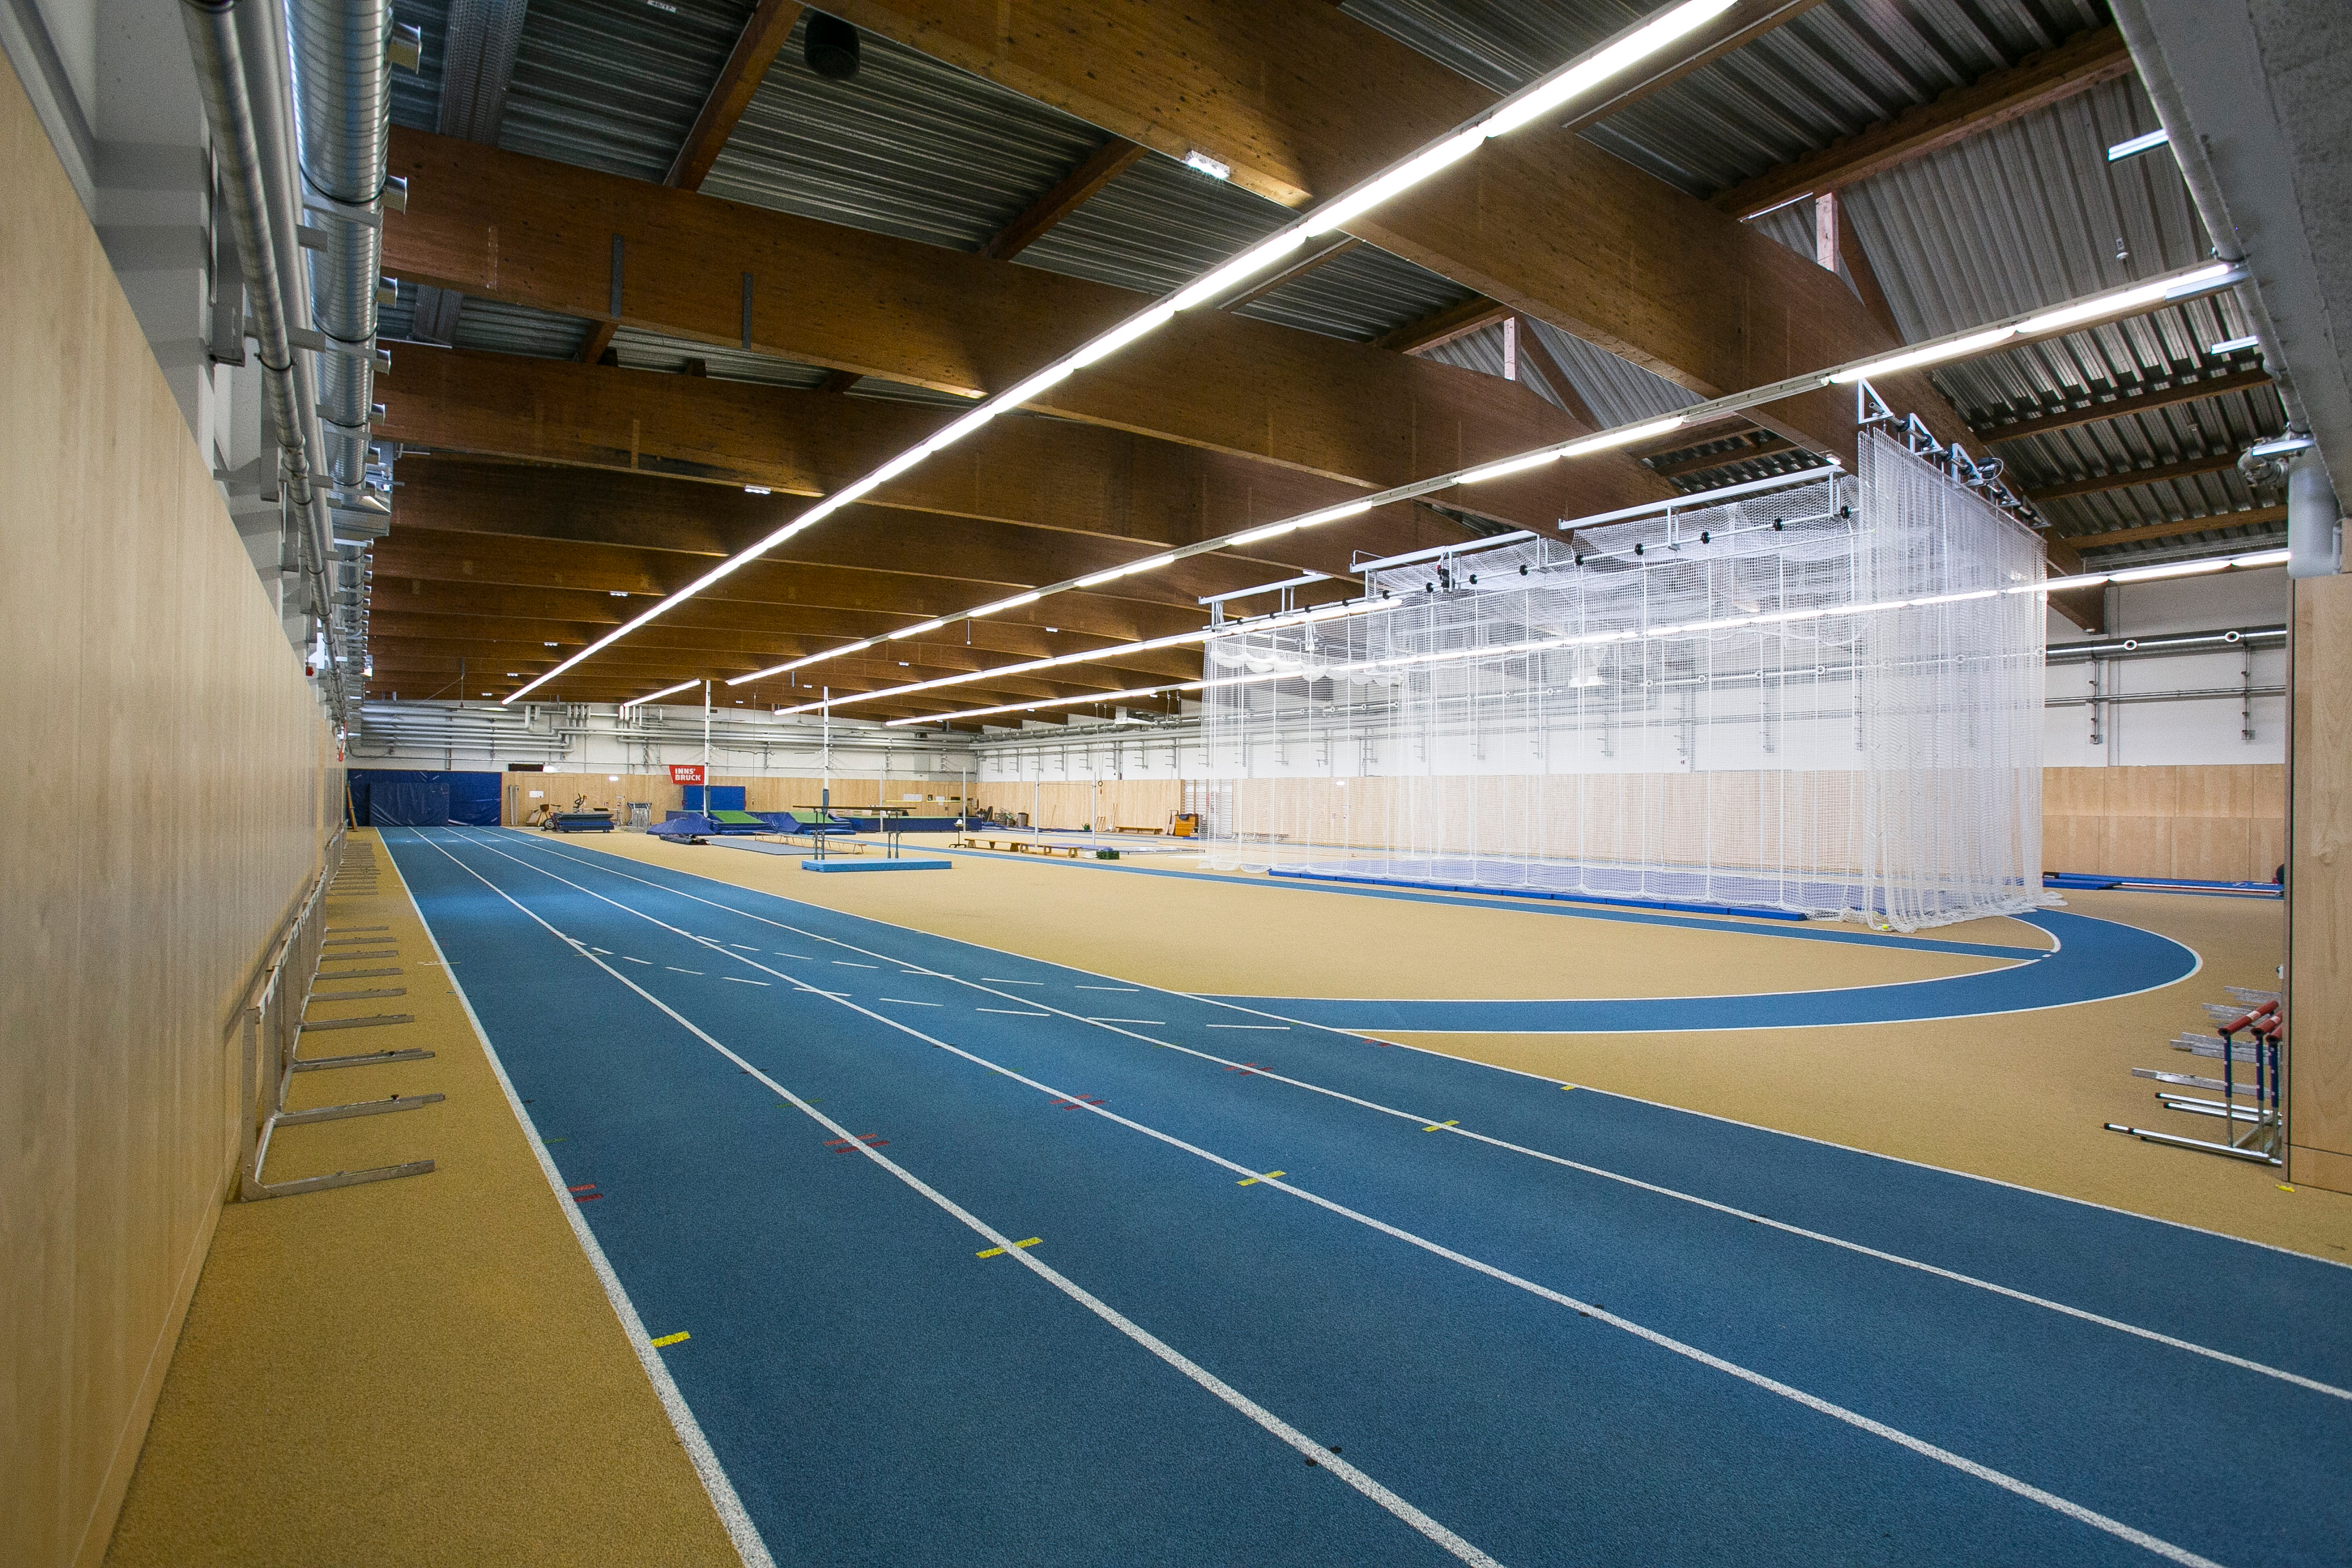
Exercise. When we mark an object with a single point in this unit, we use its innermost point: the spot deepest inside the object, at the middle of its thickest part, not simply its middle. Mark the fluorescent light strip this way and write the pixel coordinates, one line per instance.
(1593, 639)
(2113, 301)
(2259, 558)
(1111, 651)
(2137, 145)
(1618, 54)
(665, 691)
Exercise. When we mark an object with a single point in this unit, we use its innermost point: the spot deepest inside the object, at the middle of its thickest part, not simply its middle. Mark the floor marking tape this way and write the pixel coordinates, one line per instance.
(646, 962)
(909, 1002)
(1276, 1028)
(1224, 1392)
(1127, 988)
(847, 964)
(1441, 1126)
(1728, 1210)
(1252, 1180)
(2002, 1480)
(741, 981)
(999, 1252)
(670, 1339)
(1162, 1023)
(674, 969)
(992, 979)
(1012, 1012)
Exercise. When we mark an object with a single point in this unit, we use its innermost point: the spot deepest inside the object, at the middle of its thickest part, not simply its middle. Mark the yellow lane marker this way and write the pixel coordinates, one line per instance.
(1252, 1180)
(671, 1340)
(999, 1252)
(1566, 1087)
(1442, 1125)
(2283, 1187)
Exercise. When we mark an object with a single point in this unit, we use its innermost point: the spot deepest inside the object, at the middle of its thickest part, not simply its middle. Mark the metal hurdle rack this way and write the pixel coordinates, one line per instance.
(2251, 1126)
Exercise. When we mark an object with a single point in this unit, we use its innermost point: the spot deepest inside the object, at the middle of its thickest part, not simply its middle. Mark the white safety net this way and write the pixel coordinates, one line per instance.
(1820, 701)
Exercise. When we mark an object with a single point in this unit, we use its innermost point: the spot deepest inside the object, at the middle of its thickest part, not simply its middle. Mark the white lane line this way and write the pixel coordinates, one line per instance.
(847, 964)
(1161, 1022)
(605, 951)
(803, 957)
(1942, 1456)
(674, 969)
(906, 1002)
(745, 949)
(1899, 1259)
(1127, 988)
(1012, 1012)
(1269, 1028)
(741, 981)
(992, 979)
(646, 962)
(1283, 1431)
(736, 1520)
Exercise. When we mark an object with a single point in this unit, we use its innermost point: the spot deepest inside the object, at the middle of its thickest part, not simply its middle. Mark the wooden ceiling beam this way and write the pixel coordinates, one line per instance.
(1304, 102)
(577, 612)
(1048, 474)
(781, 635)
(980, 561)
(2130, 403)
(2039, 80)
(412, 555)
(2252, 517)
(1763, 446)
(2127, 478)
(502, 225)
(1099, 169)
(764, 35)
(1443, 326)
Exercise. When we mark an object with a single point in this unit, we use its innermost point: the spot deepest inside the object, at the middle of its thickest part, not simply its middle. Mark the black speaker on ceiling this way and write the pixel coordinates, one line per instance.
(830, 47)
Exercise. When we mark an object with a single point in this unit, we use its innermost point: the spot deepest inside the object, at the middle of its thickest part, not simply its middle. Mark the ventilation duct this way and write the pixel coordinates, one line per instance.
(830, 47)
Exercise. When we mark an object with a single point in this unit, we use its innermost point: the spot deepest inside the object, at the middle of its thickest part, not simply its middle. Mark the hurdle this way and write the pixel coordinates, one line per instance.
(272, 1026)
(2260, 1015)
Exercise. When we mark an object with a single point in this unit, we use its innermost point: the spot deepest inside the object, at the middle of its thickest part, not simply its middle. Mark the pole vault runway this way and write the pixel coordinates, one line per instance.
(984, 1261)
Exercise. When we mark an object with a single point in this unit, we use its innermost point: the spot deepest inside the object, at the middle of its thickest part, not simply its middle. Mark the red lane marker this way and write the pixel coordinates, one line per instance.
(871, 1139)
(586, 1197)
(1072, 1103)
(583, 1187)
(1251, 1068)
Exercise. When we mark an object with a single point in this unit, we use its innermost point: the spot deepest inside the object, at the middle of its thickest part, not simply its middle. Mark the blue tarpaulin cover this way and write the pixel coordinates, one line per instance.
(409, 797)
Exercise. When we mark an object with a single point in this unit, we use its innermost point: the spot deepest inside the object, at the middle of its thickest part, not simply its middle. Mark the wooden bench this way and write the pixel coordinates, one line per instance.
(1019, 846)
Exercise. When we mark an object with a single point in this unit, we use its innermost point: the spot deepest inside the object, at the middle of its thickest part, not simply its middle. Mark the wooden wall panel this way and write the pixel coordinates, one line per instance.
(2211, 824)
(2319, 876)
(171, 776)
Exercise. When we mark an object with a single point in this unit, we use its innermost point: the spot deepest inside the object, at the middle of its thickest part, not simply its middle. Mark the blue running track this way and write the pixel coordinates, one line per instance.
(1293, 1297)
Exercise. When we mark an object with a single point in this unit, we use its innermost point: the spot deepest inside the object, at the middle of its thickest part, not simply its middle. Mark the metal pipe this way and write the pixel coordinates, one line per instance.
(2205, 190)
(343, 72)
(2315, 521)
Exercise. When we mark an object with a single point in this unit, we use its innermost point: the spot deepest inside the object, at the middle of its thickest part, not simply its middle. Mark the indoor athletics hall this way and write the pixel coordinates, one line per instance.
(1252, 783)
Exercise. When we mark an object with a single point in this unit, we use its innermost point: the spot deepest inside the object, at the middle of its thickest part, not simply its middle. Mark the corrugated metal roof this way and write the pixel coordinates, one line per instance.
(486, 324)
(908, 146)
(1840, 67)
(1160, 223)
(2031, 214)
(616, 84)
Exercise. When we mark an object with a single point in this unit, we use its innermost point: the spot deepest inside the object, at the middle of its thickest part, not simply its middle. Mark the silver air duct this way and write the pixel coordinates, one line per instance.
(2315, 521)
(343, 78)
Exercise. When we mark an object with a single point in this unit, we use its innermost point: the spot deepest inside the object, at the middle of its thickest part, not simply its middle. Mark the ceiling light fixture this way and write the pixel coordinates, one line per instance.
(1587, 70)
(2234, 345)
(665, 691)
(757, 491)
(1214, 168)
(2137, 145)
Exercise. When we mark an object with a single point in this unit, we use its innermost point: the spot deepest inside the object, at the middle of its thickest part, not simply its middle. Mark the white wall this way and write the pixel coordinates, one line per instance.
(2192, 732)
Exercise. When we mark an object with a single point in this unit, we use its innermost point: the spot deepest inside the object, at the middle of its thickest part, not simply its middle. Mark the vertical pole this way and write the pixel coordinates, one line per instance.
(825, 794)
